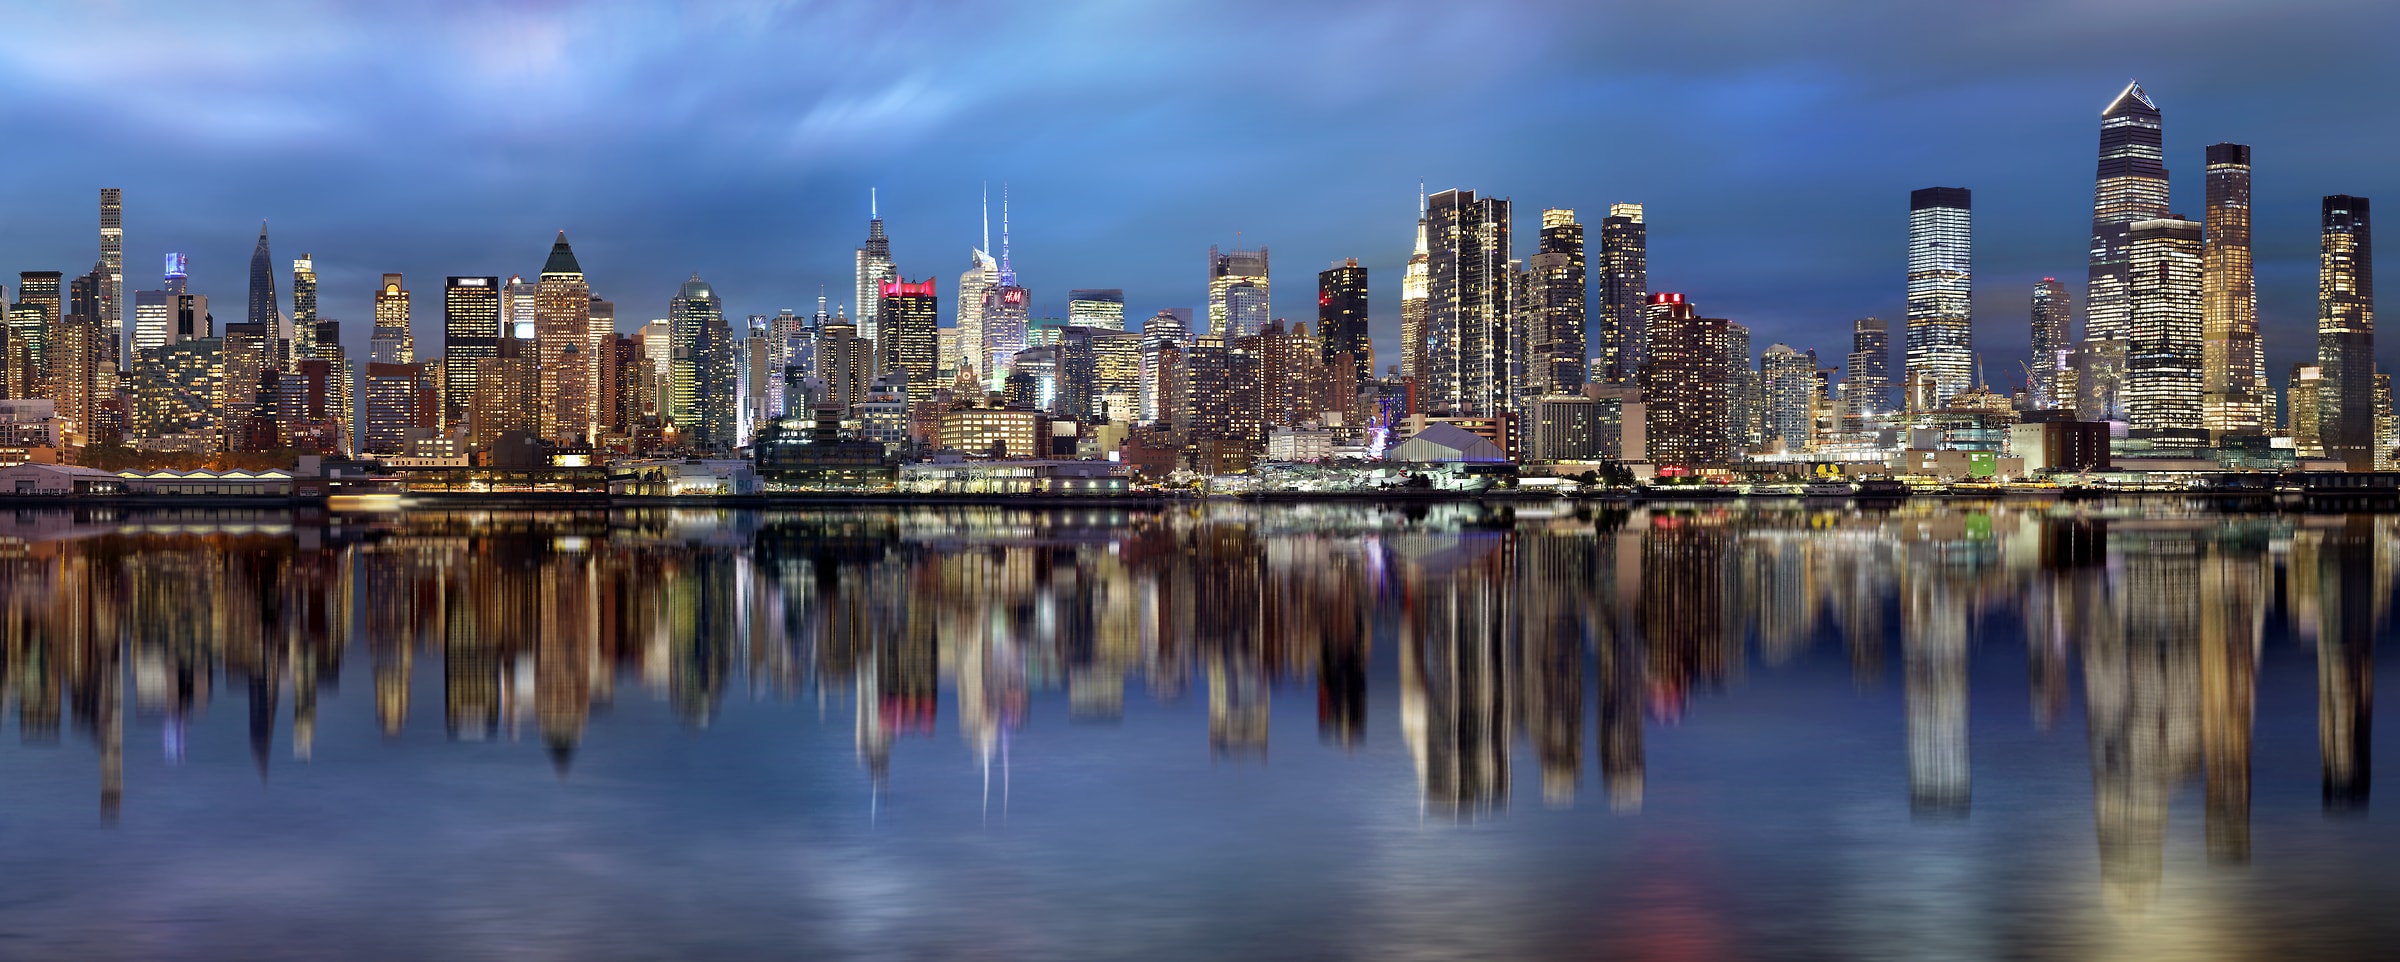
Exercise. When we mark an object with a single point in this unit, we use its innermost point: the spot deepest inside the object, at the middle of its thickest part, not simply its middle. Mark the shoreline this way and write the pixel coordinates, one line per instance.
(1136, 500)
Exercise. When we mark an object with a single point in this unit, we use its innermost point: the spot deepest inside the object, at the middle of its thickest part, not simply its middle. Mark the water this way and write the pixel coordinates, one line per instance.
(1965, 731)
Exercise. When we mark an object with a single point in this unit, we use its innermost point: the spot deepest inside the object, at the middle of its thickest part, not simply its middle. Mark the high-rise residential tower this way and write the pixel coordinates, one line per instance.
(304, 307)
(874, 270)
(1556, 305)
(1685, 385)
(2163, 332)
(1870, 388)
(470, 336)
(694, 307)
(2053, 345)
(1239, 293)
(1468, 316)
(2346, 332)
(1790, 390)
(2131, 186)
(1342, 324)
(264, 310)
(1941, 283)
(1624, 293)
(2233, 366)
(1413, 286)
(112, 265)
(911, 338)
(393, 341)
(562, 329)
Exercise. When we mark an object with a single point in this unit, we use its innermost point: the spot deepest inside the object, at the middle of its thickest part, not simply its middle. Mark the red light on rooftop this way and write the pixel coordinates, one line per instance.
(1666, 297)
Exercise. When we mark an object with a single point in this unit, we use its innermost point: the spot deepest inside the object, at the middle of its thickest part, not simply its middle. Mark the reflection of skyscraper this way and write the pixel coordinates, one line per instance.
(2232, 626)
(1933, 642)
(2141, 681)
(2347, 600)
(1455, 676)
(1555, 624)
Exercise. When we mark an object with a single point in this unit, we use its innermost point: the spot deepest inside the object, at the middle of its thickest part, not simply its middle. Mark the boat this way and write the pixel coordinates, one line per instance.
(1882, 488)
(1827, 489)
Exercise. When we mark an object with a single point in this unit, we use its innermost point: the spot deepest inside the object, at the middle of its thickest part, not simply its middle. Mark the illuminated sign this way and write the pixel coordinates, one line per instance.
(176, 264)
(906, 289)
(1013, 295)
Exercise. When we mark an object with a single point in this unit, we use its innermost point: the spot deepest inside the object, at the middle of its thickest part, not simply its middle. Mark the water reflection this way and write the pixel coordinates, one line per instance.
(1509, 632)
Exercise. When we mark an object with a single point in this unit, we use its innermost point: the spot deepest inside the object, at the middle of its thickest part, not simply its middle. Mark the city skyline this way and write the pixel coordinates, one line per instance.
(1082, 235)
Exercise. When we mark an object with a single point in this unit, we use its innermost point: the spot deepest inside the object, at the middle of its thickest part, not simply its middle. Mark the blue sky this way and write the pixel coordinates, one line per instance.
(1774, 144)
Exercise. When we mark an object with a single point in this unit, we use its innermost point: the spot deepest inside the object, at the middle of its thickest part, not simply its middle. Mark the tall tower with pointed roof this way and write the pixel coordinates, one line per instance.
(2131, 186)
(874, 270)
(562, 328)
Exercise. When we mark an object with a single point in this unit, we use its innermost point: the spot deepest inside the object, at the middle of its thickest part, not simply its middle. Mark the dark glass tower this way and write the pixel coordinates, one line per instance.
(1870, 391)
(470, 336)
(1624, 293)
(1558, 307)
(263, 309)
(1342, 319)
(2131, 186)
(2346, 332)
(911, 339)
(2053, 345)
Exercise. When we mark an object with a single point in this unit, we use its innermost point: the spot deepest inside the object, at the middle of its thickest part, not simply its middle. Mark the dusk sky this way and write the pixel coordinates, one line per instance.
(1773, 144)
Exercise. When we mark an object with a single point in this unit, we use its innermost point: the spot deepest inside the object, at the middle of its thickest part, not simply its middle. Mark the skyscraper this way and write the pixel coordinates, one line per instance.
(304, 307)
(470, 335)
(1468, 320)
(1342, 323)
(2053, 344)
(1239, 292)
(874, 270)
(1870, 389)
(1745, 390)
(1164, 333)
(2131, 186)
(1555, 326)
(2346, 332)
(562, 325)
(1685, 385)
(2163, 332)
(911, 338)
(1791, 386)
(693, 307)
(1940, 290)
(264, 310)
(112, 265)
(1102, 308)
(2233, 366)
(1414, 285)
(1624, 293)
(393, 341)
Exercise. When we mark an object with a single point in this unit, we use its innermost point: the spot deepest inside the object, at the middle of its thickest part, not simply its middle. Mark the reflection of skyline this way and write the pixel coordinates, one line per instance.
(1506, 638)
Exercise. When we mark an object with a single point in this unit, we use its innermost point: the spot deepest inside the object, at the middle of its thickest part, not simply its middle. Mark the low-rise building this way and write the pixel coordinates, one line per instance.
(1016, 477)
(270, 483)
(57, 480)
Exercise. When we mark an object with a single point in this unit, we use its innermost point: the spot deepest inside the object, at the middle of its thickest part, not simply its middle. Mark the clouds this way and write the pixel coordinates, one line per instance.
(1773, 143)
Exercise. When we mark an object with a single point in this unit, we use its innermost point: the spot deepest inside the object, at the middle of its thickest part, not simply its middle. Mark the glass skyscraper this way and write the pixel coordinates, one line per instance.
(1232, 314)
(2346, 332)
(1940, 290)
(1342, 321)
(1467, 307)
(470, 336)
(2163, 332)
(2233, 366)
(1624, 293)
(2131, 186)
(1870, 389)
(1556, 325)
(2053, 345)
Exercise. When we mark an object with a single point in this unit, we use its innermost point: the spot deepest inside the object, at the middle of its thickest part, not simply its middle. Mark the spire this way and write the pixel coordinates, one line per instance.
(562, 258)
(874, 212)
(987, 218)
(2134, 94)
(1008, 275)
(1420, 198)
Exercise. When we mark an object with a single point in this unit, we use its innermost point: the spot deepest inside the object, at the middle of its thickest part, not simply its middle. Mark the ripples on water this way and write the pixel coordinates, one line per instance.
(1301, 731)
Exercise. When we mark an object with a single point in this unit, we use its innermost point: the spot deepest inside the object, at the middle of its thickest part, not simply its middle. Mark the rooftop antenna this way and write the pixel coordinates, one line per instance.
(987, 218)
(1008, 275)
(1420, 198)
(874, 211)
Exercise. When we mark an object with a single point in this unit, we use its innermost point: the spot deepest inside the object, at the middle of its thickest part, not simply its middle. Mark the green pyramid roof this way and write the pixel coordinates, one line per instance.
(562, 258)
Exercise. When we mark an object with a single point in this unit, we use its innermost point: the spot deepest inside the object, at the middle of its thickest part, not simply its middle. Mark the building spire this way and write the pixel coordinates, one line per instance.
(987, 219)
(874, 210)
(1008, 275)
(1420, 198)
